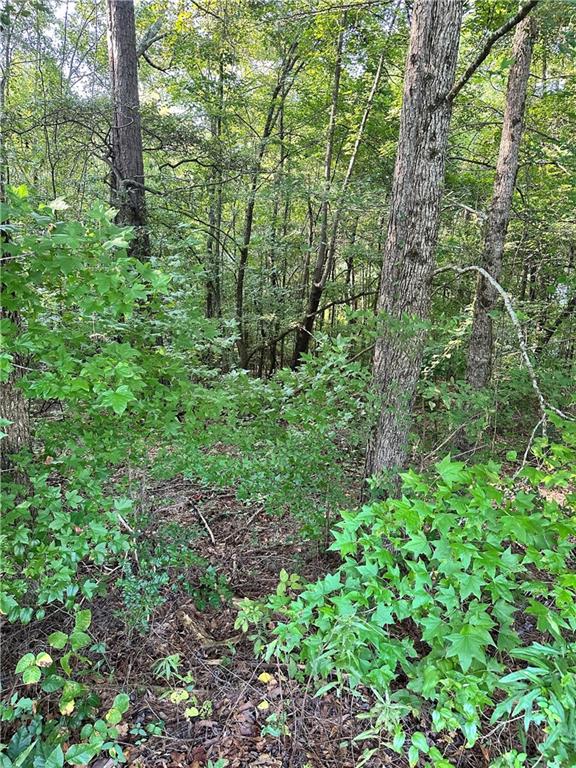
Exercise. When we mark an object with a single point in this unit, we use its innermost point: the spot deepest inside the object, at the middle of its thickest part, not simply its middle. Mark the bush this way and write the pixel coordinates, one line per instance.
(60, 723)
(436, 586)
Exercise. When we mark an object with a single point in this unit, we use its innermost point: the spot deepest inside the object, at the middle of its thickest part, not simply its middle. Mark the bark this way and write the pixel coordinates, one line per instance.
(481, 342)
(128, 194)
(14, 408)
(408, 259)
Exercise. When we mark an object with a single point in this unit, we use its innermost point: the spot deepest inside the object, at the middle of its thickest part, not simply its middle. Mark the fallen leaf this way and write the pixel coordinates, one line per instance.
(263, 706)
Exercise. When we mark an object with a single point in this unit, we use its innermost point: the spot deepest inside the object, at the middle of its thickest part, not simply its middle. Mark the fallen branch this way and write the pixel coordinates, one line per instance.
(521, 342)
(208, 529)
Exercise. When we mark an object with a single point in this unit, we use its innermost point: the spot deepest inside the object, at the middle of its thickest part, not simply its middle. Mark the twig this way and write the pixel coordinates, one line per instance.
(521, 342)
(201, 516)
(527, 451)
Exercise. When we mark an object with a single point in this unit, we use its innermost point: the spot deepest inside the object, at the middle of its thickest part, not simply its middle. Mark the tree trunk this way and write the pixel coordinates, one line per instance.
(408, 259)
(126, 152)
(481, 342)
(14, 407)
(325, 261)
(279, 93)
(13, 403)
(304, 332)
(213, 283)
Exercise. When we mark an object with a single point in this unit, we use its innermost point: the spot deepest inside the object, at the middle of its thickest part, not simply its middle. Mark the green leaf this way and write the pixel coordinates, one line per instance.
(57, 640)
(31, 675)
(113, 716)
(80, 754)
(82, 620)
(451, 471)
(122, 702)
(6, 366)
(79, 640)
(55, 759)
(420, 742)
(469, 644)
(117, 399)
(28, 660)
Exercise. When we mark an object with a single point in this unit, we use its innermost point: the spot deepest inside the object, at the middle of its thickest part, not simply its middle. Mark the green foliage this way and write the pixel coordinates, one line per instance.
(544, 692)
(433, 586)
(278, 441)
(164, 565)
(77, 734)
(49, 537)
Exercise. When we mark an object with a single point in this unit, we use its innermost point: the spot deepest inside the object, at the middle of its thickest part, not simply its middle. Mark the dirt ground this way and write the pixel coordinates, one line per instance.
(249, 713)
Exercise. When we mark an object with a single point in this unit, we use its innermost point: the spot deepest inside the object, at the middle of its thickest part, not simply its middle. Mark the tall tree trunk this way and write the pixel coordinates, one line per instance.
(279, 93)
(13, 403)
(126, 152)
(480, 351)
(408, 259)
(213, 283)
(304, 332)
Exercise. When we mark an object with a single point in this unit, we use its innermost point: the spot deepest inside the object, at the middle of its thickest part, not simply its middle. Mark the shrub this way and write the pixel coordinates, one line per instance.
(435, 587)
(58, 721)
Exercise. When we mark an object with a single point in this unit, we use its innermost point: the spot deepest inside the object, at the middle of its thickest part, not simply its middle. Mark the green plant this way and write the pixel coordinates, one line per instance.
(544, 692)
(164, 567)
(167, 667)
(276, 725)
(38, 737)
(431, 585)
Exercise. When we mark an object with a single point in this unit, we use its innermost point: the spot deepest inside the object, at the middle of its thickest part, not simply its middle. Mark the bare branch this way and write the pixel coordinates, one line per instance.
(544, 406)
(494, 37)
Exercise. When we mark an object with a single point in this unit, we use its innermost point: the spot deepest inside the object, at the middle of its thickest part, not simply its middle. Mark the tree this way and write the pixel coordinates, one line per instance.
(127, 176)
(408, 258)
(481, 342)
(288, 71)
(14, 414)
(320, 273)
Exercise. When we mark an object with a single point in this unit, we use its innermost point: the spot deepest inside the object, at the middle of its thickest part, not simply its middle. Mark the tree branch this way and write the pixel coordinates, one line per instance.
(151, 36)
(521, 342)
(494, 37)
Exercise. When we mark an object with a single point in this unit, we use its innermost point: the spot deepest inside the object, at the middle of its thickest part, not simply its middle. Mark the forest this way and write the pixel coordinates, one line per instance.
(287, 383)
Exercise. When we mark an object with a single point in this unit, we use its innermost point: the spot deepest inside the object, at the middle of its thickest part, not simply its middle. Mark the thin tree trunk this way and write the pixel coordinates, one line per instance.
(213, 283)
(480, 351)
(408, 260)
(280, 90)
(303, 333)
(127, 158)
(13, 403)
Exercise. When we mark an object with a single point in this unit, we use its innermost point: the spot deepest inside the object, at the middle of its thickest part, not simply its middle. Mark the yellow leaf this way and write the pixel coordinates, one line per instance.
(67, 707)
(265, 678)
(263, 706)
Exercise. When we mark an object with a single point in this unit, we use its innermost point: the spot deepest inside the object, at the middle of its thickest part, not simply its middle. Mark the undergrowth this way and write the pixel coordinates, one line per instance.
(442, 596)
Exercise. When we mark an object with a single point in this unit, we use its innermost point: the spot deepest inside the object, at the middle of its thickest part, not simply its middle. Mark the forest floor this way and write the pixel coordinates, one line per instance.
(245, 717)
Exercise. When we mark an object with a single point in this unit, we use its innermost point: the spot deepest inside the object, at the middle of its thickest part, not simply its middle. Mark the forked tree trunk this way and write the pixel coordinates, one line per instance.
(480, 351)
(408, 259)
(127, 158)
